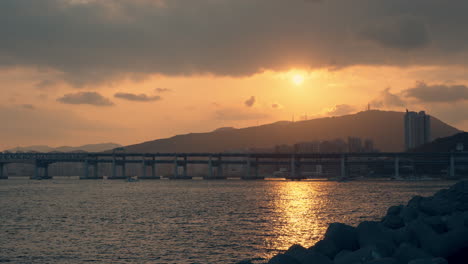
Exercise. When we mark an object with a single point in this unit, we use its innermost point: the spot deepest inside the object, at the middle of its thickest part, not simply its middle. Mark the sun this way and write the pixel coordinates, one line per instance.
(298, 79)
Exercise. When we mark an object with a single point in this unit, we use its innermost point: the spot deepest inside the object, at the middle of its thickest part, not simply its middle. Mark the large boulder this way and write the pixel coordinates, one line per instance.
(326, 247)
(343, 236)
(360, 256)
(403, 235)
(393, 221)
(409, 214)
(394, 210)
(455, 221)
(283, 259)
(407, 252)
(307, 256)
(429, 261)
(383, 261)
(440, 245)
(436, 222)
(437, 205)
(376, 235)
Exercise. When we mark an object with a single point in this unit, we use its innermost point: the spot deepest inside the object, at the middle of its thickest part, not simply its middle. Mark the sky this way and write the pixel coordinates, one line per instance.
(76, 72)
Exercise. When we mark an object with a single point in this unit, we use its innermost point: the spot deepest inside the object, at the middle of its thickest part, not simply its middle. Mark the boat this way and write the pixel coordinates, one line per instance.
(132, 179)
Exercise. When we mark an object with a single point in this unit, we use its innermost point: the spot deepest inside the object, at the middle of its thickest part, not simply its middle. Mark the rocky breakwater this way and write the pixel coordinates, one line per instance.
(429, 230)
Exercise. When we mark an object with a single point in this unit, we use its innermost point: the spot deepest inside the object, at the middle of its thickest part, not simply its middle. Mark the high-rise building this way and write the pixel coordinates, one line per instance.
(417, 129)
(354, 144)
(369, 145)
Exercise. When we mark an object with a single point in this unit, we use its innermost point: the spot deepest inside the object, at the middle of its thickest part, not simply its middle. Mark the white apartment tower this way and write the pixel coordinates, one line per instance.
(417, 129)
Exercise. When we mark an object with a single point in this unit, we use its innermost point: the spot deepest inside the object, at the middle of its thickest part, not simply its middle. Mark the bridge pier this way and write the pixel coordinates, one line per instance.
(452, 172)
(153, 171)
(116, 163)
(41, 167)
(248, 174)
(176, 175)
(219, 173)
(397, 167)
(2, 175)
(144, 169)
(295, 169)
(124, 169)
(219, 170)
(343, 167)
(95, 174)
(257, 172)
(184, 166)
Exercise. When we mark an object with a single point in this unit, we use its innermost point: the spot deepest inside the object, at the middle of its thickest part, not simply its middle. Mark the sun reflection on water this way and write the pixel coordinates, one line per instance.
(298, 221)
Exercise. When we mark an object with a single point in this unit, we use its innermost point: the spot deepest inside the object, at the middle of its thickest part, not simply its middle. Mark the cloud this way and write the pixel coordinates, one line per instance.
(137, 97)
(339, 110)
(403, 33)
(127, 37)
(28, 106)
(438, 93)
(163, 90)
(276, 106)
(388, 99)
(90, 98)
(45, 84)
(250, 102)
(238, 114)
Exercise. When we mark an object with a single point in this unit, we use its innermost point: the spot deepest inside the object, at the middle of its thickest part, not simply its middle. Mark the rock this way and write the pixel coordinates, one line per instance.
(459, 194)
(383, 261)
(374, 234)
(415, 201)
(361, 255)
(343, 236)
(429, 261)
(465, 216)
(307, 256)
(447, 244)
(403, 235)
(407, 252)
(393, 221)
(440, 245)
(436, 223)
(455, 221)
(315, 258)
(326, 247)
(283, 259)
(394, 210)
(459, 257)
(436, 205)
(409, 214)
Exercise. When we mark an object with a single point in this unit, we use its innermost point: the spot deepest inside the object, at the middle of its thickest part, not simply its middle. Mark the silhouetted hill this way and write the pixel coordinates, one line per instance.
(85, 148)
(384, 127)
(446, 144)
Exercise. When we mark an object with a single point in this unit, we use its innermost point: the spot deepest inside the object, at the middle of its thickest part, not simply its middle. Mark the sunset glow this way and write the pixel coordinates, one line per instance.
(298, 79)
(183, 76)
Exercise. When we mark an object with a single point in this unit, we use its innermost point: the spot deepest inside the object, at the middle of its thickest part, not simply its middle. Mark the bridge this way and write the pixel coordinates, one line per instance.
(214, 162)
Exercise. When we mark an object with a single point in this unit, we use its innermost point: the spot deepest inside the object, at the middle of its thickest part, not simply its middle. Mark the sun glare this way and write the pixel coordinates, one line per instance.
(298, 79)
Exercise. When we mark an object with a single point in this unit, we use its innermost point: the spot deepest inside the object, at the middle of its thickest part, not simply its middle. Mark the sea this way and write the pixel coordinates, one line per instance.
(189, 221)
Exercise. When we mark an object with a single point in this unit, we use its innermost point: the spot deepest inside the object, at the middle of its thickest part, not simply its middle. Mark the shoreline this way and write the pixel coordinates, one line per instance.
(428, 230)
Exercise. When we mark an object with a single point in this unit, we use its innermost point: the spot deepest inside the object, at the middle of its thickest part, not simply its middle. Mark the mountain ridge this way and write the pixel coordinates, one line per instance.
(385, 128)
(100, 147)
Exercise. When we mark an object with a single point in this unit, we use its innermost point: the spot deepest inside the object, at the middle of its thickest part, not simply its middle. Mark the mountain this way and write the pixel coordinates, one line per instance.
(446, 144)
(384, 127)
(85, 148)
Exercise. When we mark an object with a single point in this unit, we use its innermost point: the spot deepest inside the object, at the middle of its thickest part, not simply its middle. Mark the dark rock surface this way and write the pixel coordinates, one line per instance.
(428, 230)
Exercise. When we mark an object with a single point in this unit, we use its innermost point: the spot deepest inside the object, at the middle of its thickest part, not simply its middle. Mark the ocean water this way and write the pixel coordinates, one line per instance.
(73, 221)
